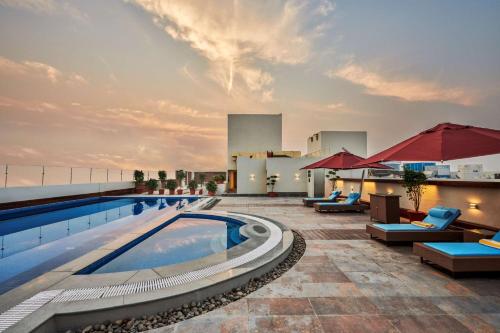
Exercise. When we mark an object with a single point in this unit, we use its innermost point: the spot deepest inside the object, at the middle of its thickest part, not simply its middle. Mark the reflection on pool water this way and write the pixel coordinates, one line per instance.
(183, 240)
(37, 239)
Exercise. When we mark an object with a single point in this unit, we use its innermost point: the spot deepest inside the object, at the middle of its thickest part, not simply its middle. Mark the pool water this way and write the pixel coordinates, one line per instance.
(181, 240)
(36, 239)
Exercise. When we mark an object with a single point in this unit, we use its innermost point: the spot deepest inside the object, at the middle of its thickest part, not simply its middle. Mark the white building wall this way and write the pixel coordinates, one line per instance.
(248, 184)
(332, 142)
(291, 178)
(252, 133)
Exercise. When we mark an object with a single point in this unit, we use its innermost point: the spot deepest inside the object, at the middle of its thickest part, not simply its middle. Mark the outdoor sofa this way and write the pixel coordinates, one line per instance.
(351, 203)
(461, 257)
(309, 202)
(439, 217)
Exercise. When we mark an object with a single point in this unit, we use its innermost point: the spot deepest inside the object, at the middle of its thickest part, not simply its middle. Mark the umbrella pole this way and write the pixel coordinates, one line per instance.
(361, 185)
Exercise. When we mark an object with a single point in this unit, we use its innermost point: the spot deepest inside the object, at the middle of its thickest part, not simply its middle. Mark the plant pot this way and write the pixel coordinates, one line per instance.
(180, 191)
(272, 194)
(192, 191)
(140, 188)
(211, 193)
(151, 191)
(161, 191)
(200, 192)
(415, 216)
(171, 192)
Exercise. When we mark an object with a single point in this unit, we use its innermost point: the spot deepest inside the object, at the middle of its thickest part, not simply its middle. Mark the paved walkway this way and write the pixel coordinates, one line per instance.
(346, 282)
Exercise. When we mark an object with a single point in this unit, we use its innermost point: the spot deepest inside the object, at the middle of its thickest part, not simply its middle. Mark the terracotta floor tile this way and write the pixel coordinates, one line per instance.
(352, 324)
(285, 324)
(428, 324)
(342, 305)
(406, 305)
(279, 306)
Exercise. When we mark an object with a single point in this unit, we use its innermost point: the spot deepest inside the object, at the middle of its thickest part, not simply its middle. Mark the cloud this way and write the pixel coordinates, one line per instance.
(407, 89)
(38, 69)
(235, 37)
(46, 7)
(171, 107)
(26, 105)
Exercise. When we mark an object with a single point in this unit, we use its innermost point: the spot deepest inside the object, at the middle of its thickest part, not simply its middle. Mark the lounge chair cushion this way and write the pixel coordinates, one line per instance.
(334, 195)
(401, 227)
(442, 223)
(497, 237)
(464, 249)
(351, 200)
(440, 213)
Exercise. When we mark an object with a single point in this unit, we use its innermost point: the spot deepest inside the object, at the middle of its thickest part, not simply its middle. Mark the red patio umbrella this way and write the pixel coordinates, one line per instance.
(345, 160)
(443, 142)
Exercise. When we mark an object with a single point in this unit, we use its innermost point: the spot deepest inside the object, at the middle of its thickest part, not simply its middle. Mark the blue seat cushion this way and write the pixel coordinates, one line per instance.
(352, 198)
(401, 227)
(442, 222)
(440, 213)
(497, 237)
(464, 249)
(334, 195)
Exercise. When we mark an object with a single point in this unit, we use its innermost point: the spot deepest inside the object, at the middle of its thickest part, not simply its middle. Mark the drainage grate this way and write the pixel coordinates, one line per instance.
(334, 234)
(17, 313)
(20, 311)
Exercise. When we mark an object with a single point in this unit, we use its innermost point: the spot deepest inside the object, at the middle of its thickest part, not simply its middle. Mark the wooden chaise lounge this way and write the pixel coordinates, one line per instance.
(441, 217)
(349, 205)
(460, 257)
(309, 202)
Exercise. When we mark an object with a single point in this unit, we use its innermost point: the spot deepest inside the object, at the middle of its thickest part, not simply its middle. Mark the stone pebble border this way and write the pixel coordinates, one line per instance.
(188, 311)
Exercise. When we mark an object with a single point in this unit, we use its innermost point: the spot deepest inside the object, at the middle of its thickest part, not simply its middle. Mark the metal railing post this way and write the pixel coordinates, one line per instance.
(6, 174)
(90, 175)
(107, 175)
(43, 174)
(121, 175)
(70, 175)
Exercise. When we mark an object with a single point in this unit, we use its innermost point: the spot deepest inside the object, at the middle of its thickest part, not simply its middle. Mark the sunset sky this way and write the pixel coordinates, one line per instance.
(148, 83)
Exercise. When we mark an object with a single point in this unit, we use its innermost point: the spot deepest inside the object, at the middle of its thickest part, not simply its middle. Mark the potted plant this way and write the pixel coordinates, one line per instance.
(162, 176)
(152, 185)
(211, 187)
(271, 181)
(332, 176)
(171, 184)
(414, 183)
(192, 185)
(219, 179)
(180, 175)
(139, 181)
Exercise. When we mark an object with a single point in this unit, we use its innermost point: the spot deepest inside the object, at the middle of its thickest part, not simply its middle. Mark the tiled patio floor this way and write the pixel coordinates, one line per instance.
(346, 282)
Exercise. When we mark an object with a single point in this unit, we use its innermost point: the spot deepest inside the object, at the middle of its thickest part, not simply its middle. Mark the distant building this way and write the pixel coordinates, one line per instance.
(255, 152)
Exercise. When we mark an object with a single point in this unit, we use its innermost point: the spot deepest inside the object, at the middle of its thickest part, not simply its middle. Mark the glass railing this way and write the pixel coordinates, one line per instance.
(15, 175)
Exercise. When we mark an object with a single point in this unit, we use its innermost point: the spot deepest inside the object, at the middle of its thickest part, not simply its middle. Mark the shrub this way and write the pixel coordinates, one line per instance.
(152, 184)
(162, 175)
(138, 176)
(192, 185)
(171, 184)
(271, 181)
(332, 176)
(414, 182)
(211, 186)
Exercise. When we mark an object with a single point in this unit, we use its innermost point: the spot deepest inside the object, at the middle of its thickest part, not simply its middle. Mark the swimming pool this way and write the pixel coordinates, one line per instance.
(37, 239)
(183, 238)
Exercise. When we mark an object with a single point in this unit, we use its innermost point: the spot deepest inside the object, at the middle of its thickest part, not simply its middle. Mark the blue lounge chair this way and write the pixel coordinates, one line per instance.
(309, 202)
(440, 217)
(351, 203)
(460, 257)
